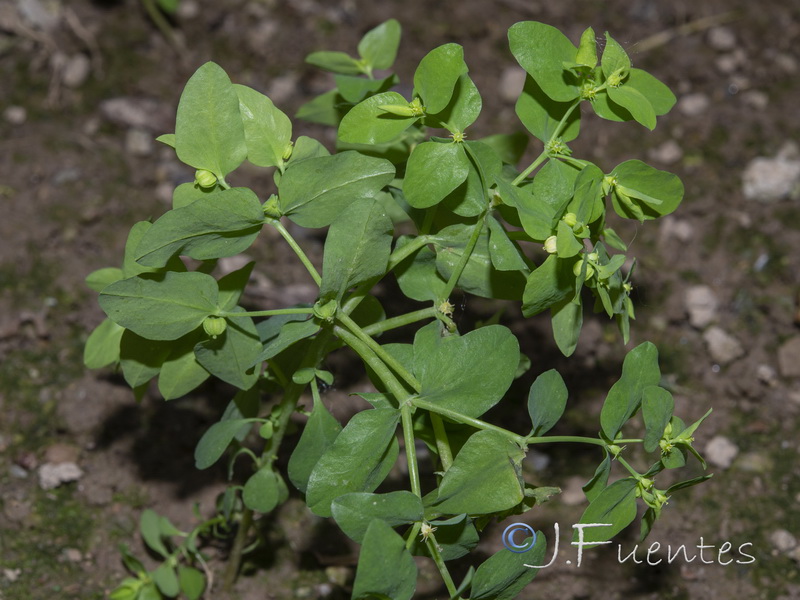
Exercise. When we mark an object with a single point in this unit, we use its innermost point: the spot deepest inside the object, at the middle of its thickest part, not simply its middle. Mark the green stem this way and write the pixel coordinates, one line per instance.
(411, 449)
(387, 358)
(400, 321)
(578, 439)
(531, 168)
(629, 468)
(268, 313)
(400, 254)
(427, 222)
(235, 558)
(376, 364)
(437, 558)
(462, 262)
(459, 418)
(413, 534)
(163, 25)
(297, 250)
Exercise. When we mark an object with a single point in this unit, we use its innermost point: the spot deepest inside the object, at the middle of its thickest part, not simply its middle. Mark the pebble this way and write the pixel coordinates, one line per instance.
(142, 113)
(729, 63)
(41, 15)
(755, 462)
(76, 71)
(767, 375)
(755, 99)
(139, 142)
(16, 115)
(720, 452)
(61, 453)
(771, 179)
(789, 357)
(679, 229)
(282, 88)
(12, 575)
(723, 347)
(722, 38)
(511, 83)
(572, 492)
(667, 153)
(782, 540)
(261, 37)
(17, 472)
(53, 475)
(338, 575)
(693, 105)
(188, 9)
(72, 555)
(701, 304)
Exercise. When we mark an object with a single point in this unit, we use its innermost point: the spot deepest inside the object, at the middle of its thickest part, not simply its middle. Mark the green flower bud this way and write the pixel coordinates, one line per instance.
(576, 270)
(551, 244)
(325, 311)
(205, 179)
(214, 326)
(287, 153)
(570, 219)
(271, 207)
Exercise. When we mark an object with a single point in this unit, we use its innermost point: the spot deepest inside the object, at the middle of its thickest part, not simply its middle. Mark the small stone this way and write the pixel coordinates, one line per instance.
(16, 510)
(771, 179)
(261, 37)
(701, 304)
(693, 105)
(511, 83)
(680, 229)
(142, 113)
(723, 347)
(767, 375)
(16, 115)
(76, 71)
(755, 99)
(667, 153)
(61, 453)
(722, 38)
(282, 88)
(787, 63)
(720, 451)
(754, 462)
(17, 472)
(164, 192)
(789, 357)
(72, 555)
(138, 142)
(338, 575)
(572, 491)
(12, 575)
(782, 540)
(51, 476)
(41, 15)
(727, 63)
(188, 9)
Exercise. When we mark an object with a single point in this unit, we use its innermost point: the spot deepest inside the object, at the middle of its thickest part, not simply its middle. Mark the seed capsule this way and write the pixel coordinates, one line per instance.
(214, 326)
(205, 179)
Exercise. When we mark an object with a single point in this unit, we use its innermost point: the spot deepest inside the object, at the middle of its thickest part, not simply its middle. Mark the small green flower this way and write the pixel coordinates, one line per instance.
(205, 179)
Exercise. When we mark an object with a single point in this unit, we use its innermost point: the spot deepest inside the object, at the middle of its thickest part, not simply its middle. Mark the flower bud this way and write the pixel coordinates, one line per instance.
(576, 270)
(326, 311)
(214, 326)
(551, 244)
(571, 219)
(205, 179)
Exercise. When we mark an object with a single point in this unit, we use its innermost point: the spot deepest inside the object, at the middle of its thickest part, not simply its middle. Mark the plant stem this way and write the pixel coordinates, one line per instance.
(629, 468)
(163, 25)
(459, 418)
(462, 262)
(442, 443)
(235, 558)
(268, 313)
(576, 438)
(400, 254)
(400, 321)
(376, 364)
(411, 449)
(387, 358)
(297, 250)
(437, 558)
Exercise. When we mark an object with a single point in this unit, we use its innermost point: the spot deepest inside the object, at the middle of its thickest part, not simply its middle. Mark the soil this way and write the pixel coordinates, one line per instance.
(76, 174)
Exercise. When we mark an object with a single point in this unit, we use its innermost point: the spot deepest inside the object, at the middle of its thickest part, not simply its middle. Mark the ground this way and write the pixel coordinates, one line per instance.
(88, 85)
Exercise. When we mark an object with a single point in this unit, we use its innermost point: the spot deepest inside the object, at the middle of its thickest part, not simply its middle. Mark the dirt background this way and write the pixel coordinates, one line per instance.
(85, 88)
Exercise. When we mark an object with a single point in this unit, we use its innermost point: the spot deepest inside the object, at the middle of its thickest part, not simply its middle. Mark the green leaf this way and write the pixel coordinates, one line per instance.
(140, 358)
(615, 59)
(102, 346)
(548, 285)
(542, 51)
(657, 407)
(220, 224)
(355, 89)
(509, 146)
(437, 74)
(658, 95)
(456, 372)
(150, 528)
(181, 372)
(456, 537)
(385, 568)
(166, 579)
(587, 203)
(291, 331)
(566, 243)
(635, 103)
(658, 192)
(357, 461)
(163, 308)
(587, 49)
(167, 139)
(505, 254)
(192, 582)
(315, 191)
(547, 399)
(479, 277)
(688, 483)
(261, 492)
(186, 193)
(318, 436)
(505, 574)
(99, 279)
(366, 123)
(567, 320)
(615, 506)
(485, 477)
(233, 356)
(216, 440)
(209, 133)
(130, 267)
(417, 275)
(639, 370)
(335, 62)
(433, 171)
(379, 46)
(599, 480)
(354, 512)
(357, 247)
(231, 286)
(325, 109)
(541, 115)
(267, 130)
(555, 184)
(464, 107)
(535, 214)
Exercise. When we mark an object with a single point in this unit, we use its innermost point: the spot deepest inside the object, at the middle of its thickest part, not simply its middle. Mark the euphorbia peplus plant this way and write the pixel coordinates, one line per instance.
(471, 220)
